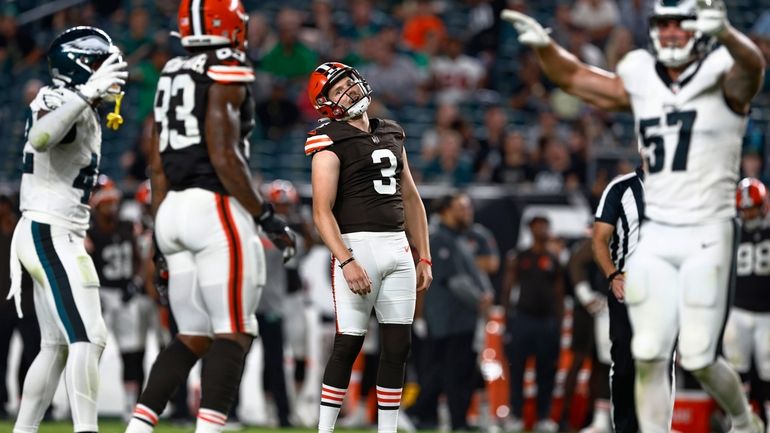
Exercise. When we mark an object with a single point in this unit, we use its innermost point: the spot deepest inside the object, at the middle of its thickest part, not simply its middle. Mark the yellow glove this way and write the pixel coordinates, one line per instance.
(114, 119)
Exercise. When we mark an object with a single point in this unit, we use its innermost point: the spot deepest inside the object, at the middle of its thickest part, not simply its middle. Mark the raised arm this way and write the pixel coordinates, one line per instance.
(595, 86)
(744, 79)
(416, 225)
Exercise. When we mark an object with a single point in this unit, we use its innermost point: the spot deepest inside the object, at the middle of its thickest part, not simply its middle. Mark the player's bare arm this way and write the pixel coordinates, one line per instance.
(325, 176)
(222, 139)
(158, 180)
(416, 225)
(510, 279)
(600, 242)
(577, 268)
(595, 86)
(744, 80)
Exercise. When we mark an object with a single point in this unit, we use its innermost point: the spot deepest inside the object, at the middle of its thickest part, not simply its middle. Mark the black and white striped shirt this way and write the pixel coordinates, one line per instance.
(622, 205)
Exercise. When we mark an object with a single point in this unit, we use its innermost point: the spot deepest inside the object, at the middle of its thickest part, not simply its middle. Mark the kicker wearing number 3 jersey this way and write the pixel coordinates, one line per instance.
(369, 199)
(363, 197)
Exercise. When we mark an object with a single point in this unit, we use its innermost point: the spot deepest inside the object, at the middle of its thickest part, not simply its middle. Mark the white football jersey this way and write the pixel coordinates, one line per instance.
(688, 136)
(56, 184)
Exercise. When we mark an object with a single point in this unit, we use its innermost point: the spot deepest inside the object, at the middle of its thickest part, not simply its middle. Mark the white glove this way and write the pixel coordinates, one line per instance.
(106, 80)
(530, 31)
(420, 328)
(711, 18)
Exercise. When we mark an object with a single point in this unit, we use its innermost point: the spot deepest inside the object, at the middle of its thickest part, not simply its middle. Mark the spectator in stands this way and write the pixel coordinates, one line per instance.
(561, 27)
(364, 21)
(481, 31)
(394, 77)
(577, 146)
(451, 166)
(533, 298)
(146, 74)
(23, 54)
(446, 114)
(454, 76)
(514, 167)
(555, 173)
(634, 15)
(137, 42)
(451, 310)
(319, 29)
(529, 93)
(278, 114)
(581, 45)
(547, 126)
(134, 161)
(290, 58)
(760, 33)
(261, 37)
(480, 241)
(597, 17)
(423, 29)
(620, 43)
(491, 139)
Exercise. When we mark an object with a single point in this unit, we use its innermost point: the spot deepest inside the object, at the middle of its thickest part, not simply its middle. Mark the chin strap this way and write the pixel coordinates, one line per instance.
(114, 119)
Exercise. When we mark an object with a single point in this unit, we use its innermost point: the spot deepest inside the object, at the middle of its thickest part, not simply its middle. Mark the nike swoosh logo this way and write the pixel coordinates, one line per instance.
(705, 245)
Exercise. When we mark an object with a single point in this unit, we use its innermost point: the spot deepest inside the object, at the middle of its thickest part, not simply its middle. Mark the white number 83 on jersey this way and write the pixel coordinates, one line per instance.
(178, 124)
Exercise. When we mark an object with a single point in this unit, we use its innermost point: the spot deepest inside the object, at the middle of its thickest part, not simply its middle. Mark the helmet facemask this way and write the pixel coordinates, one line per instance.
(697, 45)
(672, 56)
(360, 102)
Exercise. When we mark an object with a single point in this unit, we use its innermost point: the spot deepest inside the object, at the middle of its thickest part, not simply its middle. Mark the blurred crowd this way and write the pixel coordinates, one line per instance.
(474, 104)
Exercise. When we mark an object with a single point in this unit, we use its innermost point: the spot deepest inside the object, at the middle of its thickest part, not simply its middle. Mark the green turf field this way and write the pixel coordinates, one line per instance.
(165, 427)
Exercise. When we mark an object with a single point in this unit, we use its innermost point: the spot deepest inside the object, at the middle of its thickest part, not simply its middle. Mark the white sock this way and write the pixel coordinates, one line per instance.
(130, 394)
(653, 396)
(602, 415)
(81, 376)
(724, 385)
(210, 421)
(388, 401)
(39, 387)
(331, 401)
(143, 420)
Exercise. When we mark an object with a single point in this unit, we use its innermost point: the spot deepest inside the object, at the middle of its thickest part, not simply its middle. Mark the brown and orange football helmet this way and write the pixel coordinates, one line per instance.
(205, 23)
(324, 77)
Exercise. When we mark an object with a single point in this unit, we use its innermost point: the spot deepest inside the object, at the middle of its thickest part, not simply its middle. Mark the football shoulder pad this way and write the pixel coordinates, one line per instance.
(318, 139)
(227, 65)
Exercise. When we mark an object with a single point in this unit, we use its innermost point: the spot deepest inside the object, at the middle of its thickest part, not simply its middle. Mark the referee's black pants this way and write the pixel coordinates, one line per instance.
(623, 370)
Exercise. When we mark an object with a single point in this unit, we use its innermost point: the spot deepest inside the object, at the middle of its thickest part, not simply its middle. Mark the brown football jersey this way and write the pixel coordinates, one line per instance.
(369, 187)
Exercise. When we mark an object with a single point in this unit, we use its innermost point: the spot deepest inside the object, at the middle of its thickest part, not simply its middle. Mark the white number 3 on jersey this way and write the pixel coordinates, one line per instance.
(389, 173)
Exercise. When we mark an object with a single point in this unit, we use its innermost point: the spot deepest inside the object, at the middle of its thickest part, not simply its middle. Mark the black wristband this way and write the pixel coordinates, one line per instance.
(349, 259)
(612, 276)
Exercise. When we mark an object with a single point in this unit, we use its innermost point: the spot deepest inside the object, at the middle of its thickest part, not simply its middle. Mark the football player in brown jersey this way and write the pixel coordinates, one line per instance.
(206, 213)
(368, 212)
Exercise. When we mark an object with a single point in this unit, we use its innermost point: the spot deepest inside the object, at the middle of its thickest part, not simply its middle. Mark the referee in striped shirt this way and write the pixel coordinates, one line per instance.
(615, 235)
